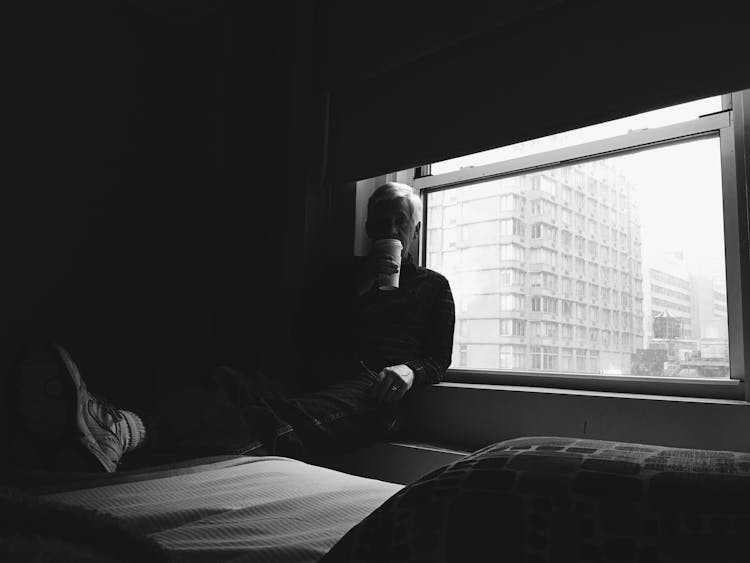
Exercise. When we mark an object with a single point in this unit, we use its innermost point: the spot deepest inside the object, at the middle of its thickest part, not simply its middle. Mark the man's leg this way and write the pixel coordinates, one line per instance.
(340, 417)
(225, 412)
(50, 404)
(75, 430)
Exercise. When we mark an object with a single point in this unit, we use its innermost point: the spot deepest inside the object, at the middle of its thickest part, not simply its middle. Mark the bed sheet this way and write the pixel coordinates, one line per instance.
(265, 509)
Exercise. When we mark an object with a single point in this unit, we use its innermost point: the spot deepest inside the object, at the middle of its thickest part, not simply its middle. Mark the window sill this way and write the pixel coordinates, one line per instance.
(477, 414)
(651, 387)
(588, 393)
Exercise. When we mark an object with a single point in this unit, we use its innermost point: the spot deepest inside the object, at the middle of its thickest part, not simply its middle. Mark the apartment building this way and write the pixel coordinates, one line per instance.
(545, 268)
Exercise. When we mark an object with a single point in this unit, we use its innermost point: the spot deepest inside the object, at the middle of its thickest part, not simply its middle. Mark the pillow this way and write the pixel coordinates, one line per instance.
(563, 499)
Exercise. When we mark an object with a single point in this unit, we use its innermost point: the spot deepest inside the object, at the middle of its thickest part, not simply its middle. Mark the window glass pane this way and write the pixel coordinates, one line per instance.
(648, 120)
(643, 292)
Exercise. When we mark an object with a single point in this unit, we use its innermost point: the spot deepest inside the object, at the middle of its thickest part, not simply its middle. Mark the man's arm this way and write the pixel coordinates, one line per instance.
(431, 368)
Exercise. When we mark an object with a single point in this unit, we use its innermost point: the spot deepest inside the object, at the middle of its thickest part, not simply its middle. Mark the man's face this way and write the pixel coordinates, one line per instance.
(392, 218)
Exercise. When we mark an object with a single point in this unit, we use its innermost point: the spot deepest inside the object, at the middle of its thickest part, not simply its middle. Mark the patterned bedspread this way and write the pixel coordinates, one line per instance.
(562, 499)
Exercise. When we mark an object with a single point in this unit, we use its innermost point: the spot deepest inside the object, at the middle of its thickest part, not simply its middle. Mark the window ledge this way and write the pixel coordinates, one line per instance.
(590, 393)
(710, 389)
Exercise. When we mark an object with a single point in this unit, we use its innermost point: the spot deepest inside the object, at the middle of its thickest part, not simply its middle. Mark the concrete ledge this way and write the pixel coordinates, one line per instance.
(477, 415)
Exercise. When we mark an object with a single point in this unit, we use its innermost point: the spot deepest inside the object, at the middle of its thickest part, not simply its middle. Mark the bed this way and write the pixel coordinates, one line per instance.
(527, 499)
(227, 508)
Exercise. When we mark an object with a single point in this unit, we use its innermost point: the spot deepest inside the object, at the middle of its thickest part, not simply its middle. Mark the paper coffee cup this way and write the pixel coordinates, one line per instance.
(391, 247)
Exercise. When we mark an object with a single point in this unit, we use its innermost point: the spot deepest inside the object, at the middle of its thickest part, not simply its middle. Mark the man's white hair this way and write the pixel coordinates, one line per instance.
(397, 190)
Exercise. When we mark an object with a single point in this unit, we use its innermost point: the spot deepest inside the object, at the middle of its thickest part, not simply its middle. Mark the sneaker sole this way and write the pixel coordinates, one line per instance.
(48, 390)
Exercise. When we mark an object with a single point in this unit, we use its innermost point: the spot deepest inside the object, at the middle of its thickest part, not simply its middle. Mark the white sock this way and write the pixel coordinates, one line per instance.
(133, 429)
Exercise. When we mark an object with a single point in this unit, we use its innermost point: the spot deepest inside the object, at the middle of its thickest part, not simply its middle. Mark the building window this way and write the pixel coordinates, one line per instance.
(510, 277)
(512, 357)
(511, 227)
(512, 252)
(511, 302)
(580, 289)
(581, 360)
(567, 263)
(566, 217)
(512, 327)
(567, 287)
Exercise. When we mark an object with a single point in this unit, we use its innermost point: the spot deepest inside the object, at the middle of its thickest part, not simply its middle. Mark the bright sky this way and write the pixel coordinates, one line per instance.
(679, 190)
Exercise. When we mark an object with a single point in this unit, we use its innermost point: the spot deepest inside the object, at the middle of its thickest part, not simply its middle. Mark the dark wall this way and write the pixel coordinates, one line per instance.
(141, 231)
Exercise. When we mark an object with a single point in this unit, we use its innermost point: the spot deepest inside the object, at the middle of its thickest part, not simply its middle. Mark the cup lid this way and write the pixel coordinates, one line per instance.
(388, 241)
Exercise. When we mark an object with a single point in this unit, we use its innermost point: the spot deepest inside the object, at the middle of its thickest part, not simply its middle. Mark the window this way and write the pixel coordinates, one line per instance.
(566, 360)
(543, 358)
(546, 185)
(567, 263)
(580, 266)
(566, 195)
(543, 304)
(581, 311)
(580, 204)
(566, 308)
(566, 216)
(511, 227)
(545, 231)
(543, 256)
(511, 302)
(580, 289)
(565, 238)
(511, 202)
(593, 247)
(512, 357)
(550, 330)
(628, 237)
(593, 291)
(580, 244)
(581, 333)
(593, 228)
(512, 252)
(567, 286)
(581, 360)
(512, 327)
(594, 335)
(512, 276)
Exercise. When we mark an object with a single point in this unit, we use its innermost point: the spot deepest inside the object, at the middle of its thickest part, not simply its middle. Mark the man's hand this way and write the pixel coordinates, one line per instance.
(393, 383)
(374, 264)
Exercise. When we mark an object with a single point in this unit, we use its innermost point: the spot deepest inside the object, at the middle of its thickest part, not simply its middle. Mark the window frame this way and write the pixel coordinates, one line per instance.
(729, 126)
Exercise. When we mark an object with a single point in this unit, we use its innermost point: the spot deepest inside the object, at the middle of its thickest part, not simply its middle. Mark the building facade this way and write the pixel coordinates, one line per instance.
(545, 269)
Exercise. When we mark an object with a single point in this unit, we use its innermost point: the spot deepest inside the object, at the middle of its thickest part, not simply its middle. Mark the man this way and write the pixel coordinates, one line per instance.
(363, 350)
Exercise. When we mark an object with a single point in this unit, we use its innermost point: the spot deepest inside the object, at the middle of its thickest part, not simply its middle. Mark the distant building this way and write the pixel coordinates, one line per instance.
(545, 269)
(673, 295)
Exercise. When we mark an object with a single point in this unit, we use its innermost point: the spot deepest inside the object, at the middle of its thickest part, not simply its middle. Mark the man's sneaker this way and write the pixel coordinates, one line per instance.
(52, 405)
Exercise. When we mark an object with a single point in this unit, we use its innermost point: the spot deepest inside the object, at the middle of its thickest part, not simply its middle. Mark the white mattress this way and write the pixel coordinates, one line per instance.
(256, 509)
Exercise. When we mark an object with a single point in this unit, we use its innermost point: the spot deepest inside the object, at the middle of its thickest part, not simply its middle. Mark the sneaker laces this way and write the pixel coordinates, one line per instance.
(108, 407)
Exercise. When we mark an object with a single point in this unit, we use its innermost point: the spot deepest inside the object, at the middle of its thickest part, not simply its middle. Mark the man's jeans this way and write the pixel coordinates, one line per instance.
(228, 412)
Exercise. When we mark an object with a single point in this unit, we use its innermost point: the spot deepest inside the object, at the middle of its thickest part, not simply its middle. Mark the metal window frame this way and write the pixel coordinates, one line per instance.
(730, 126)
